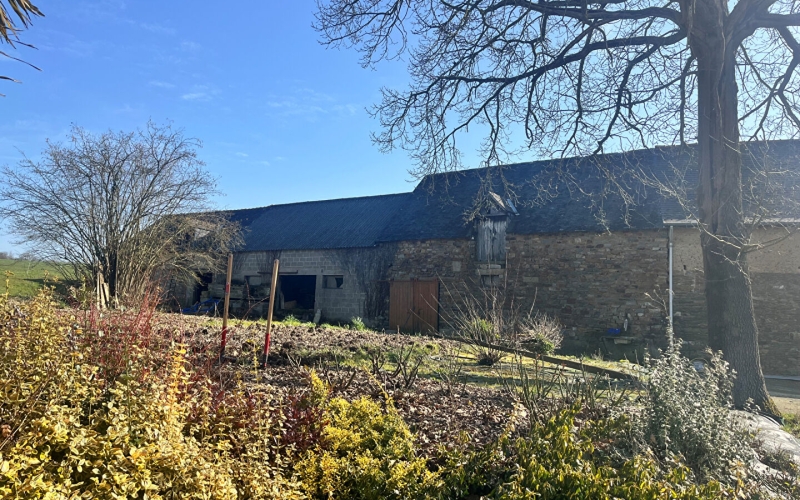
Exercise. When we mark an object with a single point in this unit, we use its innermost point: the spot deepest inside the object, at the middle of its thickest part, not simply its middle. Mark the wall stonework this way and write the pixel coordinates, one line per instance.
(775, 276)
(590, 282)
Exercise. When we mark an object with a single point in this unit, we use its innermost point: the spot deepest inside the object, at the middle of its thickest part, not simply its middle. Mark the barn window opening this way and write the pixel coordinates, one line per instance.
(332, 281)
(298, 291)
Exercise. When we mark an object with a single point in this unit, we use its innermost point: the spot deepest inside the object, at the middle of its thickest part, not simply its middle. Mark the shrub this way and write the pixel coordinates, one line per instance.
(366, 453)
(539, 333)
(557, 460)
(492, 320)
(73, 434)
(687, 414)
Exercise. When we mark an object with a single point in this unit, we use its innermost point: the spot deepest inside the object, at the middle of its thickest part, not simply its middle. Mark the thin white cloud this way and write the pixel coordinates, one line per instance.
(200, 93)
(190, 46)
(161, 85)
(309, 104)
(242, 155)
(157, 29)
(196, 96)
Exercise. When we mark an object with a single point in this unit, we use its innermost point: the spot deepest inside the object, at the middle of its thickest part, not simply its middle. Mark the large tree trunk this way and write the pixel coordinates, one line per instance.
(731, 318)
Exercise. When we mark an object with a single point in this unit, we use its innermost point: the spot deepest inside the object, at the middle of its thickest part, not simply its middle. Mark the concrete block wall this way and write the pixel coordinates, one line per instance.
(339, 304)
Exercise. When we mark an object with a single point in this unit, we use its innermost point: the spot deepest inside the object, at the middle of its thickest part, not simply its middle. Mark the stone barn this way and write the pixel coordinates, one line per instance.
(591, 252)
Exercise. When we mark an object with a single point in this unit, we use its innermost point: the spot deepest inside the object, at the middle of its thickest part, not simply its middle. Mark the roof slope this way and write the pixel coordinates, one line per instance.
(573, 194)
(342, 223)
(649, 187)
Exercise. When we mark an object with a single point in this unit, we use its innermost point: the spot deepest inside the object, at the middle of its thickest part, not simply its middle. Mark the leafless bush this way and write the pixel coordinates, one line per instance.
(544, 388)
(491, 318)
(337, 375)
(124, 210)
(407, 362)
(539, 332)
(449, 367)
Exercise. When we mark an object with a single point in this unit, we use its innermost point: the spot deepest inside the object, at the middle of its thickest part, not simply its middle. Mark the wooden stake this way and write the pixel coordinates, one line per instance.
(272, 293)
(225, 307)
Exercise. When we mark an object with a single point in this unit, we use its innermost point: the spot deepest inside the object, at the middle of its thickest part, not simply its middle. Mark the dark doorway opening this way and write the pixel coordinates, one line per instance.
(298, 291)
(203, 282)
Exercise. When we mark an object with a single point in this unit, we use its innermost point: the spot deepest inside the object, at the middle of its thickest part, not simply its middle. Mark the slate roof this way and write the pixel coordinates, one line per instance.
(329, 224)
(551, 196)
(441, 203)
(573, 195)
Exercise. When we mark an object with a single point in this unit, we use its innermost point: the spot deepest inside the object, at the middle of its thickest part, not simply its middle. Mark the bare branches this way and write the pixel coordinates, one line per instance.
(562, 77)
(116, 205)
(581, 11)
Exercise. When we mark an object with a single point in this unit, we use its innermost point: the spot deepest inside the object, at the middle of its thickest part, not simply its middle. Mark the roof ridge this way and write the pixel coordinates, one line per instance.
(660, 147)
(369, 197)
(566, 158)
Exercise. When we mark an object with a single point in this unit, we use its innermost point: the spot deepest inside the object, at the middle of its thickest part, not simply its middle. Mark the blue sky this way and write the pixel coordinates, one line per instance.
(281, 117)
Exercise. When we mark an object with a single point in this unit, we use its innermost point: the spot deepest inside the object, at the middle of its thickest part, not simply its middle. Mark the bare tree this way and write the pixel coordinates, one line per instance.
(125, 207)
(564, 77)
(9, 30)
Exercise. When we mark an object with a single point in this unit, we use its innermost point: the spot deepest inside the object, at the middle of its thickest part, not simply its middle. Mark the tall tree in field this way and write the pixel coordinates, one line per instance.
(583, 76)
(124, 208)
(13, 17)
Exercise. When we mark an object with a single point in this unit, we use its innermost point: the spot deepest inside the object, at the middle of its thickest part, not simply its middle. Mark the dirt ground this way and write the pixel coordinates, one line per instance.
(788, 405)
(474, 410)
(786, 394)
(365, 363)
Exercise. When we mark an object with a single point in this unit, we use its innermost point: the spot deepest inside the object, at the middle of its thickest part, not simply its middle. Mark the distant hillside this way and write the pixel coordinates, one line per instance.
(28, 276)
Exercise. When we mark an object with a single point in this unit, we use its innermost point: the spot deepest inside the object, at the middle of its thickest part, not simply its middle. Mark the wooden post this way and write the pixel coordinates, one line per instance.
(272, 293)
(225, 307)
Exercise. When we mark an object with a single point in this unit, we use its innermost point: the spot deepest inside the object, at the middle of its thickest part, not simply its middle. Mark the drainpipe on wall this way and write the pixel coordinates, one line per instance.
(670, 277)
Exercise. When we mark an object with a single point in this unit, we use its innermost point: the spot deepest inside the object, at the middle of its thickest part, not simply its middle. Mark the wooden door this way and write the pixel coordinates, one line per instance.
(414, 305)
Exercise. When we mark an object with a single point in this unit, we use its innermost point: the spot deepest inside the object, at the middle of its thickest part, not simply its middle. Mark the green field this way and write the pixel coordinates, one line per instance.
(28, 276)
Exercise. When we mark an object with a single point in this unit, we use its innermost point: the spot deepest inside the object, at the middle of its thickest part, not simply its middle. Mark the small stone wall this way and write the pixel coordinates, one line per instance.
(590, 282)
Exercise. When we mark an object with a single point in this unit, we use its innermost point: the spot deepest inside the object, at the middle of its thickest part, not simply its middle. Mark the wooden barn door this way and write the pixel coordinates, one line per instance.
(414, 305)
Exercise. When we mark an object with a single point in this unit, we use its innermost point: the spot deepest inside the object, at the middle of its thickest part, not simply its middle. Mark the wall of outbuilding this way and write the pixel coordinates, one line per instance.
(590, 282)
(337, 304)
(775, 277)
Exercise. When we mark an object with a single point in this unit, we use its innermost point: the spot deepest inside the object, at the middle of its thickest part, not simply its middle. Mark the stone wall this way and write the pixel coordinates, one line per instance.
(775, 273)
(590, 282)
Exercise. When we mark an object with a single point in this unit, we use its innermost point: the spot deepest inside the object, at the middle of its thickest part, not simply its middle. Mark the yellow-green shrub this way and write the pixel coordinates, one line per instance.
(66, 434)
(367, 453)
(556, 461)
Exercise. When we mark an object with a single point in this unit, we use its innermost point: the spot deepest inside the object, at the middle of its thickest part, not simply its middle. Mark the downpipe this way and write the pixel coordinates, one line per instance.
(670, 277)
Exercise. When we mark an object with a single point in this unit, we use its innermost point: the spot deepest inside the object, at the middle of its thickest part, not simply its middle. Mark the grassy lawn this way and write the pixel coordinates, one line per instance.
(792, 424)
(27, 276)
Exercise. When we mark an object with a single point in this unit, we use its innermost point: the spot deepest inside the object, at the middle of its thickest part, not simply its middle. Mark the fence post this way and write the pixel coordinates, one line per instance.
(225, 307)
(272, 293)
